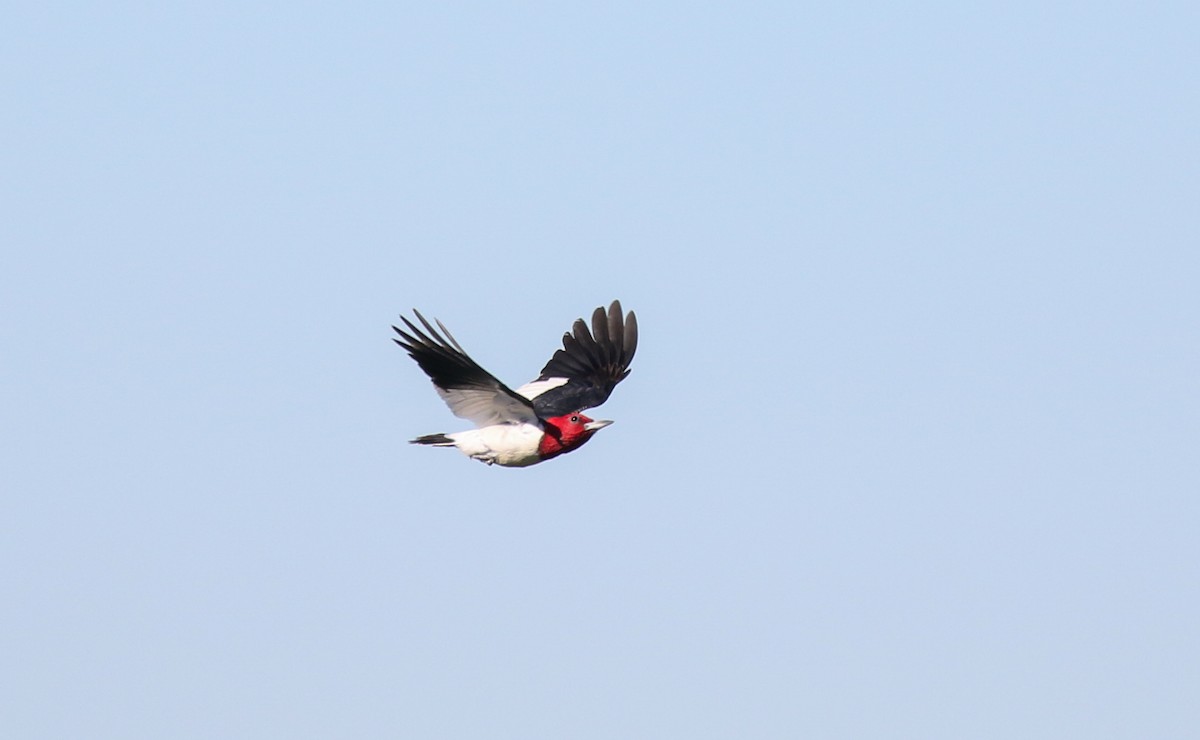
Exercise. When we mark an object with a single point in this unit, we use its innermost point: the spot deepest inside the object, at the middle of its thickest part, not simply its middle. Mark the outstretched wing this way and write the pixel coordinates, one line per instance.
(584, 372)
(470, 391)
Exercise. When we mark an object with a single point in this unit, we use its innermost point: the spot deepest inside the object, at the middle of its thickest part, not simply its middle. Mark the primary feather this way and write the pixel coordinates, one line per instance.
(470, 391)
(584, 372)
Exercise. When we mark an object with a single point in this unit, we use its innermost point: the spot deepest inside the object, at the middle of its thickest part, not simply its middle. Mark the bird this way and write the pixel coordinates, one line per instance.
(543, 418)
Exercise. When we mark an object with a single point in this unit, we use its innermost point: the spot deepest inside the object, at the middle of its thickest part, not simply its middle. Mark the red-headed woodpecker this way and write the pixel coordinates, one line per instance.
(541, 419)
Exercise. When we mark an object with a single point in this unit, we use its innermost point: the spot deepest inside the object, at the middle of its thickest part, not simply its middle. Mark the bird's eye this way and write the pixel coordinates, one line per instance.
(574, 419)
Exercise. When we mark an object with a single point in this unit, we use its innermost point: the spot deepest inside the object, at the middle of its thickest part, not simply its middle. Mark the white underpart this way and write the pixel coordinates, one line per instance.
(536, 388)
(511, 445)
(487, 407)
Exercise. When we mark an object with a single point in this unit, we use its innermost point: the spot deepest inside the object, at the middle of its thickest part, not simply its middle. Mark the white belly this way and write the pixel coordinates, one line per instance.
(511, 445)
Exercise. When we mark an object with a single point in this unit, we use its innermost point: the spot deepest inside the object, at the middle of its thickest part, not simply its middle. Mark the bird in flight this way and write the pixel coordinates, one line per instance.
(543, 418)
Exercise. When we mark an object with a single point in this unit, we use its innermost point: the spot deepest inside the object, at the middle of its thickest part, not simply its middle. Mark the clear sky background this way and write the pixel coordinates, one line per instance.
(909, 449)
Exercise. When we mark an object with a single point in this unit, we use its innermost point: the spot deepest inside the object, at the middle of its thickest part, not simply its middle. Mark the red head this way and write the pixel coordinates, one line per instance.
(567, 432)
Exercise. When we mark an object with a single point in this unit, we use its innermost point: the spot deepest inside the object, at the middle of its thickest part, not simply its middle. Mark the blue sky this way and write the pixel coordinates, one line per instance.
(908, 450)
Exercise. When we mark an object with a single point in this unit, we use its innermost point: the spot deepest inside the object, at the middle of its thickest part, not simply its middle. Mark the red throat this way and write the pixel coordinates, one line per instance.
(563, 434)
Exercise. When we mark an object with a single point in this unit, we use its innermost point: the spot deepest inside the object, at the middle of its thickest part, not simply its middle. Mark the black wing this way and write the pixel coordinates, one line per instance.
(584, 372)
(470, 391)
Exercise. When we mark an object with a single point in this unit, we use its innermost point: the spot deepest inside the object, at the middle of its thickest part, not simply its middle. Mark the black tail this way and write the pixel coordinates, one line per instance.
(432, 439)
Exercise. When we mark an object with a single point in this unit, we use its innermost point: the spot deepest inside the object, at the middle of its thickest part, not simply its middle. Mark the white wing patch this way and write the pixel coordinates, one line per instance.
(533, 389)
(486, 408)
